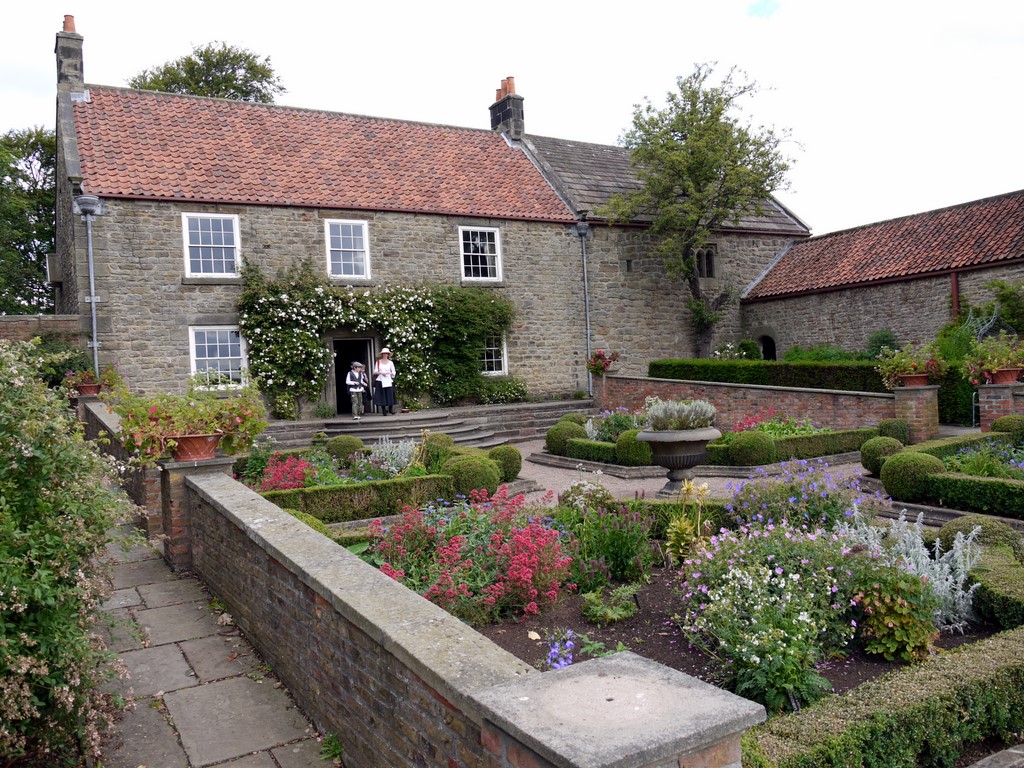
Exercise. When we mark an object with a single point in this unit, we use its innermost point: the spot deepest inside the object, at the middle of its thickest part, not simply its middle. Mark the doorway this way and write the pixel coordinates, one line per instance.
(767, 348)
(346, 352)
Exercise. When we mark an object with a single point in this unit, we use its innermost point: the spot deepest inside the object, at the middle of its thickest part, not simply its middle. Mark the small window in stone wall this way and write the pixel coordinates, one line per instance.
(493, 361)
(481, 253)
(348, 249)
(218, 352)
(211, 244)
(705, 256)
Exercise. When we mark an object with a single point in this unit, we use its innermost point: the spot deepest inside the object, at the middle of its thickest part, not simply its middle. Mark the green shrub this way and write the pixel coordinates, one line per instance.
(560, 434)
(875, 451)
(858, 376)
(619, 605)
(590, 450)
(437, 449)
(905, 475)
(56, 511)
(749, 349)
(509, 461)
(751, 449)
(56, 355)
(979, 494)
(949, 446)
(611, 544)
(362, 501)
(575, 418)
(822, 443)
(898, 619)
(999, 597)
(896, 429)
(315, 523)
(1014, 424)
(344, 447)
(993, 533)
(664, 511)
(879, 339)
(631, 452)
(502, 389)
(472, 473)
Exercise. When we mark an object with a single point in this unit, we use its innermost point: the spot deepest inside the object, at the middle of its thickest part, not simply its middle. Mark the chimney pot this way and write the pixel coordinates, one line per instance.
(510, 81)
(69, 23)
(507, 110)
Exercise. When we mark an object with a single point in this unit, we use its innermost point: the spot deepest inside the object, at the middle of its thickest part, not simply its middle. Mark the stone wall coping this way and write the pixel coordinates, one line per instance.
(449, 655)
(619, 711)
(765, 387)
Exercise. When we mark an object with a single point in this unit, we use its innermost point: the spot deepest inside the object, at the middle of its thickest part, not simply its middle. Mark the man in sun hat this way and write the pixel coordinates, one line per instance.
(357, 383)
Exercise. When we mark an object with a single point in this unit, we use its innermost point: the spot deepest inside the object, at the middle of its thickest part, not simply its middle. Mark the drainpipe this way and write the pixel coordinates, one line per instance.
(581, 229)
(89, 207)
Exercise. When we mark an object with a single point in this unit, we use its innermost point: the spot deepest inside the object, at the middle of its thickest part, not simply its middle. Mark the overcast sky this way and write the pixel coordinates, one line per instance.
(894, 106)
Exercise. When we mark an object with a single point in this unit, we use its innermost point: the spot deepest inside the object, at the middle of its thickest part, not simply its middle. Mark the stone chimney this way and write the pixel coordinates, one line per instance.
(70, 76)
(507, 110)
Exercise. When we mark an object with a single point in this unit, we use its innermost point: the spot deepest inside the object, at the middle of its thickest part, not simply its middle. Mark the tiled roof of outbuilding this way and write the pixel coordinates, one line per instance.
(966, 236)
(140, 144)
(588, 175)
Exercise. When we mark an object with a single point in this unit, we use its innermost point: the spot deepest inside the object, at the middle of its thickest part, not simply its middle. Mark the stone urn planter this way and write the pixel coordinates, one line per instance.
(678, 451)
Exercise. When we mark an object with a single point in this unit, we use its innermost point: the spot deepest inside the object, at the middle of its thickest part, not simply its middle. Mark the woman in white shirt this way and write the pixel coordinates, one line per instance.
(384, 383)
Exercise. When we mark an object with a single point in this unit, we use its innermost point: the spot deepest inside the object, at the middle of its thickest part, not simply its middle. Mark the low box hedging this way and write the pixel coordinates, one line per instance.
(852, 376)
(590, 450)
(919, 715)
(1000, 594)
(663, 510)
(803, 446)
(947, 446)
(978, 494)
(361, 501)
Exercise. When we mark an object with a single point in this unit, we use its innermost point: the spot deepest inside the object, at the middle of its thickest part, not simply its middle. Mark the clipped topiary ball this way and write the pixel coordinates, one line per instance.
(993, 533)
(1013, 424)
(560, 434)
(905, 475)
(575, 418)
(751, 449)
(631, 452)
(472, 473)
(895, 428)
(343, 446)
(875, 451)
(509, 460)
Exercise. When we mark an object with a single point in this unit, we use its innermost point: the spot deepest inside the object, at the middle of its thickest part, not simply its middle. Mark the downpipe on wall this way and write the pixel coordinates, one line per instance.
(581, 229)
(89, 207)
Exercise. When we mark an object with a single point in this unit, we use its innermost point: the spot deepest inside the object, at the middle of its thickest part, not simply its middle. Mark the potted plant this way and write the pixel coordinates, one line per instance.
(678, 432)
(995, 360)
(599, 363)
(190, 426)
(85, 382)
(910, 366)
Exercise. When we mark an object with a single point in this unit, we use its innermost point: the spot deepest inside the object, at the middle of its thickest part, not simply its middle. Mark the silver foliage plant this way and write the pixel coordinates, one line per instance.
(946, 573)
(665, 415)
(591, 429)
(393, 457)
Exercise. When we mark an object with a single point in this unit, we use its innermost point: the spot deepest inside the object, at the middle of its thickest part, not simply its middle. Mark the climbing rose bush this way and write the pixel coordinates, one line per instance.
(481, 559)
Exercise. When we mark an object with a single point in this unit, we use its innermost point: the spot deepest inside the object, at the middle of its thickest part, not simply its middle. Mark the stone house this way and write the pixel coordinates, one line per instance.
(161, 197)
(907, 274)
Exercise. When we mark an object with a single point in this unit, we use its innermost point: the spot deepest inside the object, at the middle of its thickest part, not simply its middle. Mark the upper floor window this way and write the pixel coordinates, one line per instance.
(706, 260)
(218, 352)
(348, 249)
(481, 253)
(494, 360)
(211, 244)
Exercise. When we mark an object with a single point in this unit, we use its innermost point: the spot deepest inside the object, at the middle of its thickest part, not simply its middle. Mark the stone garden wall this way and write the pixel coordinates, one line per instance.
(403, 683)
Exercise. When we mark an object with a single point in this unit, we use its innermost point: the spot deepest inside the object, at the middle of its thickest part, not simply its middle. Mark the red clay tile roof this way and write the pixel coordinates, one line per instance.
(138, 144)
(966, 236)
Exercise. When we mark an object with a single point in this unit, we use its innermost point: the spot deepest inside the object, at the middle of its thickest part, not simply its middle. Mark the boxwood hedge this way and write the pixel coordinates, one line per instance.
(590, 450)
(360, 501)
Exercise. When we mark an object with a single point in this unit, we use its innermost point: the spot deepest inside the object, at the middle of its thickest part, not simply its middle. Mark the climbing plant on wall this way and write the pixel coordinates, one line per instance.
(284, 322)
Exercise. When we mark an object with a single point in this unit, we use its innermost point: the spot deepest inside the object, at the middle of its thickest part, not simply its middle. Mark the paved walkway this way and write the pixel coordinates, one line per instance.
(201, 695)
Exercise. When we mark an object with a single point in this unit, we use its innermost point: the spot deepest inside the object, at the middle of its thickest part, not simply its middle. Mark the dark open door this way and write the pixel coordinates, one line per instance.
(346, 352)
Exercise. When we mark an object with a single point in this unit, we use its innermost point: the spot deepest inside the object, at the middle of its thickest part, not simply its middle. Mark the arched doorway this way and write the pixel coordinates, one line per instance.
(767, 347)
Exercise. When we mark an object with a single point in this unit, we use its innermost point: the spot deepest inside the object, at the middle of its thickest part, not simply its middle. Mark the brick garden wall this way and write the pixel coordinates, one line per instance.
(25, 327)
(825, 408)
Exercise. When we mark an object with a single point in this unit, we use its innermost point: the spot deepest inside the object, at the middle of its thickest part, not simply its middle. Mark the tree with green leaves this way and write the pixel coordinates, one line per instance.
(701, 167)
(218, 70)
(28, 159)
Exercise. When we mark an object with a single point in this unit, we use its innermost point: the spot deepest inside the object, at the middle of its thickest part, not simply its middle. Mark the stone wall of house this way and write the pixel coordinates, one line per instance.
(638, 311)
(148, 305)
(914, 309)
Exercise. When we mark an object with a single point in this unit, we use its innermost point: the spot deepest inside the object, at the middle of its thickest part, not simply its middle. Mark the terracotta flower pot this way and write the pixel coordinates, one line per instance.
(195, 447)
(1006, 375)
(88, 389)
(914, 379)
(678, 451)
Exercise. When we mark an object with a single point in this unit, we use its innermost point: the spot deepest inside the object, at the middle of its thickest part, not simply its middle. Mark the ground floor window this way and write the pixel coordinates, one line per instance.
(219, 353)
(494, 361)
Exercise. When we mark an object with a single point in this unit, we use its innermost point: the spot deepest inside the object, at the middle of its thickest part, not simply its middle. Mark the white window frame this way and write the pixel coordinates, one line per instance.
(366, 248)
(497, 255)
(243, 353)
(504, 356)
(187, 244)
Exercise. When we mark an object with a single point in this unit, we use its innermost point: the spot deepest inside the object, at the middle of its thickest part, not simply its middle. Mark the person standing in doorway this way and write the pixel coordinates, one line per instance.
(384, 383)
(357, 384)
